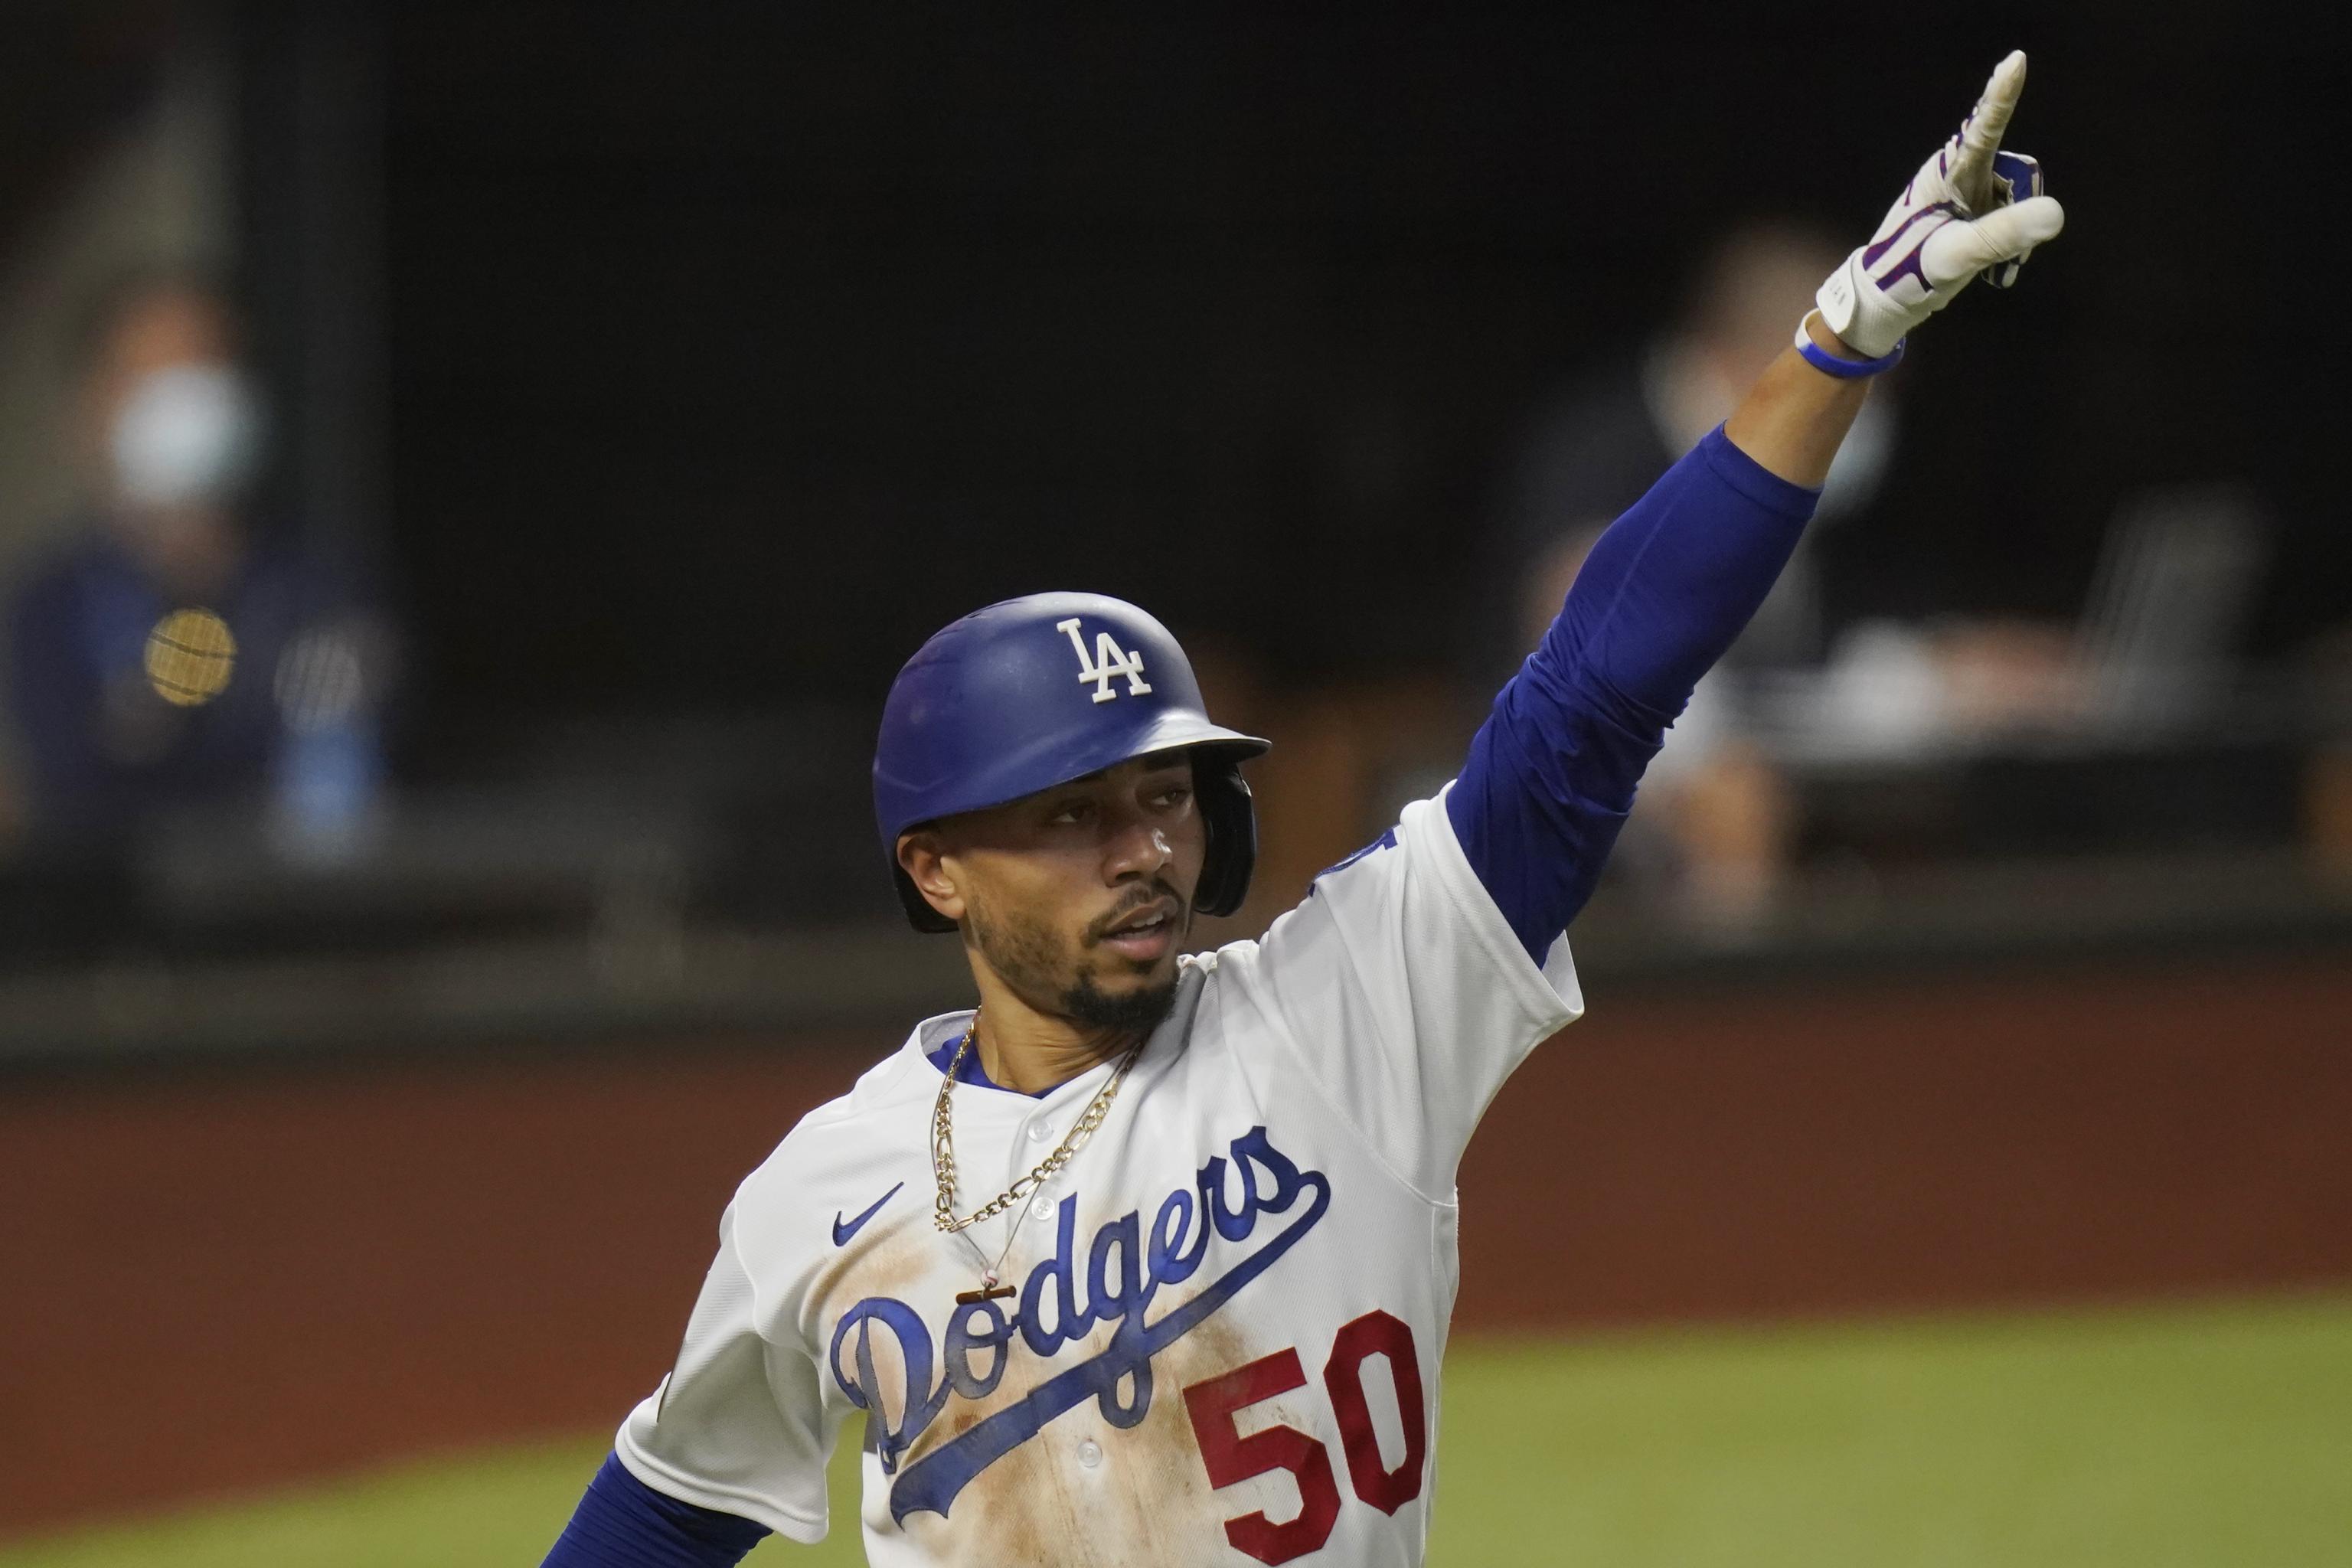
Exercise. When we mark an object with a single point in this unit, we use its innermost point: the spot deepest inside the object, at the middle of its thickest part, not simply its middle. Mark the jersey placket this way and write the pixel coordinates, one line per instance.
(1026, 1232)
(993, 1128)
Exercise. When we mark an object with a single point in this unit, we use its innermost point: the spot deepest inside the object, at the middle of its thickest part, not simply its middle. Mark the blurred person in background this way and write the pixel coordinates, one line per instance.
(168, 651)
(1594, 451)
(1714, 829)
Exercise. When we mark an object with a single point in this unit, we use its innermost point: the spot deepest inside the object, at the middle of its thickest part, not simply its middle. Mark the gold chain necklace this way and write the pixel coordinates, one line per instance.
(943, 1165)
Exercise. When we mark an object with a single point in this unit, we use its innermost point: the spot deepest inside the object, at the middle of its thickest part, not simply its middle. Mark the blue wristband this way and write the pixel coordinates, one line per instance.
(1828, 363)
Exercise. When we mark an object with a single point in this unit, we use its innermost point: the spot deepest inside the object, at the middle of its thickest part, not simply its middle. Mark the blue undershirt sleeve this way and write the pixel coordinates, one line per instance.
(1668, 588)
(623, 1523)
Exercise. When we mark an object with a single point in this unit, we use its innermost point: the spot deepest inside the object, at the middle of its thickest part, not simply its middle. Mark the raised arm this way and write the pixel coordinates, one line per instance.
(1551, 774)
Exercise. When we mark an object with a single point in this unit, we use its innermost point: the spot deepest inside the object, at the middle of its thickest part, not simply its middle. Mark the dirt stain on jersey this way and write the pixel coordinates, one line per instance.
(1043, 1503)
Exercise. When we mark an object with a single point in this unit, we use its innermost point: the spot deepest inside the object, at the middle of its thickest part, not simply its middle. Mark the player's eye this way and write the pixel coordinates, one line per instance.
(1073, 812)
(1175, 795)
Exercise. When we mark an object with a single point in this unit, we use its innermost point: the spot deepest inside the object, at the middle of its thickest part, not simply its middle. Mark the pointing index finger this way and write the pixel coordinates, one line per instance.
(1980, 133)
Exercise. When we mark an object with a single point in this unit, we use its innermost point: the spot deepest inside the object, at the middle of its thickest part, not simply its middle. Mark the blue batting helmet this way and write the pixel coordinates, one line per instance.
(1037, 691)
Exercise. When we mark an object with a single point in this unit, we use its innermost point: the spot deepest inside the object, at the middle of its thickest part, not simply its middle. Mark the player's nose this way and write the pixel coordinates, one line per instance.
(1137, 847)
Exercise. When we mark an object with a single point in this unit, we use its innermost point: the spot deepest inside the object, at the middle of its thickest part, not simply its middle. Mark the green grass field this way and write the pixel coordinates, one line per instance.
(2207, 1436)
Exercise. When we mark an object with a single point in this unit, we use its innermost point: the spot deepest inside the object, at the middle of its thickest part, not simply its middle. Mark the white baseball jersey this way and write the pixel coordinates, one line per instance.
(1232, 1302)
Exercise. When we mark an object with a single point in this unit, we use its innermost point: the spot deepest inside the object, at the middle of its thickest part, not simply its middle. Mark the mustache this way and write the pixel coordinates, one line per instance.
(1150, 893)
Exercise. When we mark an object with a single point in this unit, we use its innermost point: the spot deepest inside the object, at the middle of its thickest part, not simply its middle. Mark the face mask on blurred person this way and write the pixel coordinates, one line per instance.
(185, 435)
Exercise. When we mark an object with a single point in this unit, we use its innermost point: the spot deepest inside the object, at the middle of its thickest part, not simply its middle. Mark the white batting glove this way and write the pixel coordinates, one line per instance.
(1970, 209)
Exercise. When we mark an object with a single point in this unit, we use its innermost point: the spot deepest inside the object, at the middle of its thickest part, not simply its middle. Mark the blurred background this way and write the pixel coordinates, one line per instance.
(469, 472)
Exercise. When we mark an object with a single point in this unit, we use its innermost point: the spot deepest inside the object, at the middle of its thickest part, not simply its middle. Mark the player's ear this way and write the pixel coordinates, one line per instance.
(923, 857)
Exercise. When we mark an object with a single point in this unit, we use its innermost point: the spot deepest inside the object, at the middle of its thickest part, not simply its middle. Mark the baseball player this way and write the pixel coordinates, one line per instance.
(1149, 1257)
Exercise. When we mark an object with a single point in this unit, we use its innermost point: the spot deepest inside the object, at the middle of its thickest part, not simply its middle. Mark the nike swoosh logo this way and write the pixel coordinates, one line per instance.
(842, 1232)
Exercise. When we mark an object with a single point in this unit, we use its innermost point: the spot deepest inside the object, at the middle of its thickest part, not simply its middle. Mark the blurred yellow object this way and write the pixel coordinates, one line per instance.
(190, 657)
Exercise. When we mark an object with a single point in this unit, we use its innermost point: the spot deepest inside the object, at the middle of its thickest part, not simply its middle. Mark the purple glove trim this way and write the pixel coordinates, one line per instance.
(1828, 363)
(2023, 176)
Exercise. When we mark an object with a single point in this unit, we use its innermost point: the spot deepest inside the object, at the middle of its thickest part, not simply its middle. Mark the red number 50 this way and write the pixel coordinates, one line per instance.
(1231, 1457)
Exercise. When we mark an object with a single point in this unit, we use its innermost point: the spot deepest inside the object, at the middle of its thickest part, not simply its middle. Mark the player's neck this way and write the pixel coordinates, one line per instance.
(1024, 1049)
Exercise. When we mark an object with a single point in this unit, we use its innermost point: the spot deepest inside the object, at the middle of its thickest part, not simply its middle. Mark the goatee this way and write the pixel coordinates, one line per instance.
(1027, 954)
(1134, 1013)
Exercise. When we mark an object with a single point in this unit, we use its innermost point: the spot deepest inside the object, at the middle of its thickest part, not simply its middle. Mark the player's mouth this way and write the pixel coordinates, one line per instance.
(1144, 933)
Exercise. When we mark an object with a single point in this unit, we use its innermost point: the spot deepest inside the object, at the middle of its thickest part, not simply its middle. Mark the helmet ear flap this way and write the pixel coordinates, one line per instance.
(1230, 817)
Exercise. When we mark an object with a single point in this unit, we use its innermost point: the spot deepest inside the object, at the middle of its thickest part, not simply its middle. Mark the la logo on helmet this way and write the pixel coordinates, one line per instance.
(1109, 663)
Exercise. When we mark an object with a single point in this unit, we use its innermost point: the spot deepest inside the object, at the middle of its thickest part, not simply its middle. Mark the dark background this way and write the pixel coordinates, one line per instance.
(730, 350)
(672, 373)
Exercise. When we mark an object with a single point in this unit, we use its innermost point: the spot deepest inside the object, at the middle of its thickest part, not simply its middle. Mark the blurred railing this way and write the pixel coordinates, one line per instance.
(722, 875)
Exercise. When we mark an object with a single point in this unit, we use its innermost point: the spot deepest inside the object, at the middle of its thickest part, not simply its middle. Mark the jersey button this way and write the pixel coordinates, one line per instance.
(1039, 1133)
(1090, 1453)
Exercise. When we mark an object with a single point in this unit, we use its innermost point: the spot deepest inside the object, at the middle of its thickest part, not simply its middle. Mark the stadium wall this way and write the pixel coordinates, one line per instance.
(225, 1278)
